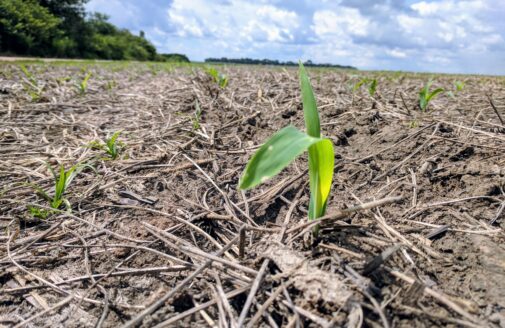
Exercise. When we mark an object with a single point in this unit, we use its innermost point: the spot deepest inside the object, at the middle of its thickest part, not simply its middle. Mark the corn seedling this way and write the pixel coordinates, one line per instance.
(220, 79)
(425, 95)
(30, 84)
(83, 85)
(371, 83)
(287, 144)
(63, 80)
(62, 181)
(459, 86)
(111, 85)
(111, 146)
(198, 115)
(28, 74)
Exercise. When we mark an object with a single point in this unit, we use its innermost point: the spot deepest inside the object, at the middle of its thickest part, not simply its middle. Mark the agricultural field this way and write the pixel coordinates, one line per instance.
(120, 206)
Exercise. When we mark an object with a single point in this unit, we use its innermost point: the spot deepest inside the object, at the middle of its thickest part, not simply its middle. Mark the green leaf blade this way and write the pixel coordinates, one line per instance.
(310, 113)
(275, 154)
(372, 88)
(321, 163)
(434, 93)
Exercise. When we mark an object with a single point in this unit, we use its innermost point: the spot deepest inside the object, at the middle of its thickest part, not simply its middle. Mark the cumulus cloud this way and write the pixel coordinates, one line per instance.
(423, 35)
(236, 19)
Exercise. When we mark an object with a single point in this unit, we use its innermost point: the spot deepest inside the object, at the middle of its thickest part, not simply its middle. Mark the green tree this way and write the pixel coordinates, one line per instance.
(62, 28)
(26, 27)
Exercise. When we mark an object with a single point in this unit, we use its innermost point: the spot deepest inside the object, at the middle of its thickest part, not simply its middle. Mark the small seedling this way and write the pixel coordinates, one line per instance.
(459, 85)
(63, 80)
(198, 115)
(111, 145)
(61, 183)
(111, 85)
(28, 74)
(425, 96)
(220, 79)
(30, 84)
(372, 85)
(153, 69)
(39, 213)
(83, 85)
(287, 144)
(413, 124)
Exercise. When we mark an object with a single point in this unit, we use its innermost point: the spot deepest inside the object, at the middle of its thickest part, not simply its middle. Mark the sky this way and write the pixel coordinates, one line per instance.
(447, 36)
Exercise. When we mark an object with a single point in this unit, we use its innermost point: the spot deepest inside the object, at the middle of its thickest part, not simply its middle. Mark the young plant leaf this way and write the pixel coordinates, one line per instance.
(284, 146)
(111, 145)
(372, 88)
(321, 155)
(321, 162)
(274, 155)
(434, 93)
(459, 85)
(425, 95)
(309, 105)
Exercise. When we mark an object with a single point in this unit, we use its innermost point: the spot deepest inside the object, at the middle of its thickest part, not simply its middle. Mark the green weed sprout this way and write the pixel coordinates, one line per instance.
(220, 79)
(61, 183)
(83, 85)
(288, 143)
(111, 145)
(372, 85)
(425, 96)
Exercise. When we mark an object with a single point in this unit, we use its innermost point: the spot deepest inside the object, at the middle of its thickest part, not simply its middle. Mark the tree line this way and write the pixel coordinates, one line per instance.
(250, 61)
(62, 28)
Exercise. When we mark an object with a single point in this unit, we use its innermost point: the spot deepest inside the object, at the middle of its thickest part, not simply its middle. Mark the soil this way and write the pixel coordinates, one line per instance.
(154, 237)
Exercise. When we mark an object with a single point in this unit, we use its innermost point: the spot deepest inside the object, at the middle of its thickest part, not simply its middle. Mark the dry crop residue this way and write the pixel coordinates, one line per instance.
(153, 237)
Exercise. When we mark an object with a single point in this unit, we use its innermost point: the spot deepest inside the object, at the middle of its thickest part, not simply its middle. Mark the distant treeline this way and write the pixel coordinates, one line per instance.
(250, 61)
(62, 28)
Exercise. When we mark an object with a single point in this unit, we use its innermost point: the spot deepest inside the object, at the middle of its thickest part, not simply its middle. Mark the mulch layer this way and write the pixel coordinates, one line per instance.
(162, 237)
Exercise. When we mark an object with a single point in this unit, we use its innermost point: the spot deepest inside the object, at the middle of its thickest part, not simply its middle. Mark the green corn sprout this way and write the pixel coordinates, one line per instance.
(83, 85)
(31, 85)
(111, 85)
(459, 85)
(61, 184)
(288, 143)
(198, 115)
(220, 79)
(425, 96)
(111, 145)
(28, 74)
(372, 85)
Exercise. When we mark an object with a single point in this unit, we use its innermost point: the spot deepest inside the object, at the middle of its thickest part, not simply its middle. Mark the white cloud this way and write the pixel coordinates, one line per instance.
(451, 7)
(128, 11)
(341, 23)
(396, 53)
(232, 20)
(434, 35)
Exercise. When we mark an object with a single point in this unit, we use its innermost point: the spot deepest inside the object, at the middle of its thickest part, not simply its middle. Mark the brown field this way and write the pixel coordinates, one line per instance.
(154, 237)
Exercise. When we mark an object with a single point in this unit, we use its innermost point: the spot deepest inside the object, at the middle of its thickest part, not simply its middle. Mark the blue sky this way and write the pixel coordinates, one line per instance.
(448, 36)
